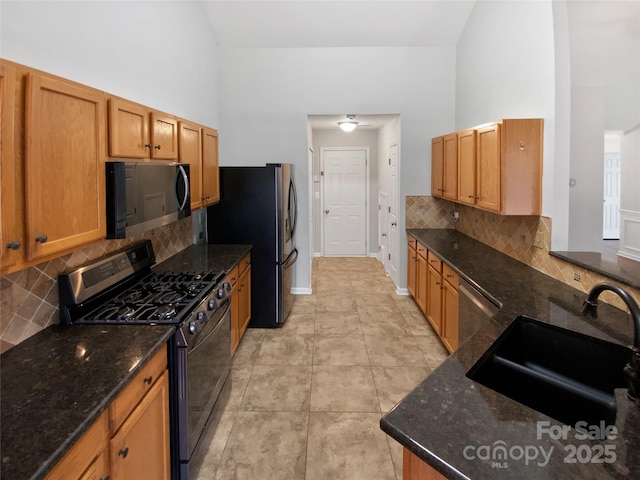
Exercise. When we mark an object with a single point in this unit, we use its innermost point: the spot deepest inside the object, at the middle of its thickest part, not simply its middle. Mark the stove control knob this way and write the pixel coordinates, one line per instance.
(202, 318)
(193, 327)
(212, 304)
(227, 286)
(220, 293)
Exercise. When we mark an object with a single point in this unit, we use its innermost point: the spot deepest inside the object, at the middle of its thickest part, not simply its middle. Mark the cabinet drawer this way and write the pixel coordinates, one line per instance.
(434, 261)
(85, 456)
(233, 276)
(244, 263)
(450, 276)
(137, 388)
(411, 241)
(422, 250)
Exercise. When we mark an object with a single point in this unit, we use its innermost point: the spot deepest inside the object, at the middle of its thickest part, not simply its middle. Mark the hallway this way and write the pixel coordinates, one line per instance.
(306, 399)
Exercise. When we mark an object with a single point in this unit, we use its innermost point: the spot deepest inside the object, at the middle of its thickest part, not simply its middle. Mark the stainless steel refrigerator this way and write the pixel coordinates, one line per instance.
(258, 206)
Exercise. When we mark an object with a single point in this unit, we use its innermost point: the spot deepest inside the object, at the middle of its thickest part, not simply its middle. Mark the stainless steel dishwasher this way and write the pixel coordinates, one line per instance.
(475, 309)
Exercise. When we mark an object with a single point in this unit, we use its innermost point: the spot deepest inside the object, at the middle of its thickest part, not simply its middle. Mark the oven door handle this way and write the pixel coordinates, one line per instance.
(201, 340)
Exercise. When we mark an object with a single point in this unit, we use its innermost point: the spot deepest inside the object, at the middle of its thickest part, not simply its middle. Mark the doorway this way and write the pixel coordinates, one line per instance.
(344, 173)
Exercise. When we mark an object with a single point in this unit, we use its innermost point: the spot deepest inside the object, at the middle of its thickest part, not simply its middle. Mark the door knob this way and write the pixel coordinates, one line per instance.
(326, 211)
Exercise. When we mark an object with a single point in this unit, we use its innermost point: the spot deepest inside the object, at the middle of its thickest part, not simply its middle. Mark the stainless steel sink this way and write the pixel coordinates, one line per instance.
(563, 374)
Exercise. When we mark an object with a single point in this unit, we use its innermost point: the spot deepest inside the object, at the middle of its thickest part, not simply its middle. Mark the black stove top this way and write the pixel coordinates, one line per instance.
(157, 298)
(122, 289)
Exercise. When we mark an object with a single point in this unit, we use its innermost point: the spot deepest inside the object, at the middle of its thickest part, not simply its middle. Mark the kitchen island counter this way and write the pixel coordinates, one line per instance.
(458, 426)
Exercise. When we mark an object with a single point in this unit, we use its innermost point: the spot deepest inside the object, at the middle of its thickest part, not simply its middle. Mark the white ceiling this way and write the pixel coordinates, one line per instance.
(367, 122)
(337, 23)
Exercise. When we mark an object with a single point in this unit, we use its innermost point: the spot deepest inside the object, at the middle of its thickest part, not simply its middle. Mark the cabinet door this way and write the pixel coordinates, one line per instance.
(87, 459)
(411, 271)
(415, 469)
(190, 152)
(450, 316)
(488, 168)
(421, 283)
(437, 166)
(164, 137)
(450, 167)
(64, 170)
(434, 299)
(128, 129)
(235, 319)
(140, 449)
(467, 167)
(210, 167)
(11, 239)
(245, 300)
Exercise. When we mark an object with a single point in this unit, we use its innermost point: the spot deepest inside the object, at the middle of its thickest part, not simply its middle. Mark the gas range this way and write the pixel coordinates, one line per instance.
(121, 289)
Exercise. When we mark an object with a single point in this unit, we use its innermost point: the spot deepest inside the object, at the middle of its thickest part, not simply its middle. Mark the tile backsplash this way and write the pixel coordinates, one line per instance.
(29, 297)
(511, 235)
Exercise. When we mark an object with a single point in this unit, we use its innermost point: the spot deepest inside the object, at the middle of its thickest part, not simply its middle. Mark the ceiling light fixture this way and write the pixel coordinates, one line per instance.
(348, 125)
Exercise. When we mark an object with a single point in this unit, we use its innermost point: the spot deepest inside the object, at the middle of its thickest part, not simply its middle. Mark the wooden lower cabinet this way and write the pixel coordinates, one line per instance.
(140, 448)
(240, 279)
(435, 292)
(411, 270)
(415, 469)
(88, 458)
(131, 438)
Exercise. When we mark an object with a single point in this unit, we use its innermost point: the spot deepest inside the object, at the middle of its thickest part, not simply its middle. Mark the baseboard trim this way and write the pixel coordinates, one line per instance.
(301, 291)
(402, 291)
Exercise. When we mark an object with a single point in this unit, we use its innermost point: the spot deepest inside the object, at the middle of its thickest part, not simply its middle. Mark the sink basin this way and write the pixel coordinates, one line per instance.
(563, 374)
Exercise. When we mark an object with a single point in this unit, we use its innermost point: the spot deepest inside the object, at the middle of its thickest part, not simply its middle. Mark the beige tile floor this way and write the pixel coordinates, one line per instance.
(307, 398)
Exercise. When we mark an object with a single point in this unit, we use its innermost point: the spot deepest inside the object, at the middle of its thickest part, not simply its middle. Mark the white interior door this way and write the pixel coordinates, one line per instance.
(383, 223)
(344, 202)
(611, 207)
(392, 232)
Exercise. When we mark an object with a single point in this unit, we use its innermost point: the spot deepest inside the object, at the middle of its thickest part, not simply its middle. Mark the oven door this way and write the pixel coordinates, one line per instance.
(202, 365)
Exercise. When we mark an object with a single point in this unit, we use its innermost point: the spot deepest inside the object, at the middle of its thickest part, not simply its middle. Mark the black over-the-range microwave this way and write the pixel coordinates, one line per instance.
(143, 195)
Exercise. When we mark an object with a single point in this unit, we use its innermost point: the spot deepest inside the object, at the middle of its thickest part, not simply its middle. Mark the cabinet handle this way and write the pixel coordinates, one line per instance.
(394, 224)
(104, 478)
(13, 245)
(147, 145)
(157, 147)
(470, 196)
(42, 239)
(148, 379)
(124, 452)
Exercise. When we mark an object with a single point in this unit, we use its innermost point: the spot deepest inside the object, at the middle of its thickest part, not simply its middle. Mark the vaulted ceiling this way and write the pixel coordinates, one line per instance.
(337, 23)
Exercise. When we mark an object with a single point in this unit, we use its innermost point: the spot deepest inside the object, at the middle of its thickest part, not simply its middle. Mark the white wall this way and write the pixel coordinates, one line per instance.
(587, 160)
(160, 54)
(266, 95)
(505, 69)
(357, 138)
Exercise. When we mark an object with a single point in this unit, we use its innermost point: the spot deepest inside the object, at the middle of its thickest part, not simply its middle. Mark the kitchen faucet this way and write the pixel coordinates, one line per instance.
(631, 369)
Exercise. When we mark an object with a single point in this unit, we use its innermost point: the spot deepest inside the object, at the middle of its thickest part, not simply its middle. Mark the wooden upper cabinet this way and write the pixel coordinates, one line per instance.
(450, 166)
(437, 166)
(467, 166)
(65, 150)
(128, 129)
(521, 145)
(136, 131)
(488, 167)
(210, 167)
(190, 151)
(164, 136)
(11, 235)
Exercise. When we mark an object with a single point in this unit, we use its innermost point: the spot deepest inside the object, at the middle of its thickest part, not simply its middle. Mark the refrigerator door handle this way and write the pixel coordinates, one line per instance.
(290, 260)
(294, 220)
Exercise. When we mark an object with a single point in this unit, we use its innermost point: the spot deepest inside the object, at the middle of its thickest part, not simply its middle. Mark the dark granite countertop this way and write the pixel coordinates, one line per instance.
(205, 258)
(624, 270)
(54, 385)
(449, 415)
